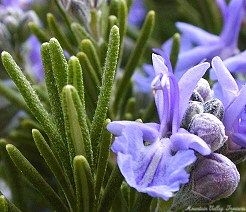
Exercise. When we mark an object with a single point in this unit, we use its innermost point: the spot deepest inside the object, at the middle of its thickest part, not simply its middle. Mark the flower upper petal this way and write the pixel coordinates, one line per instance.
(197, 35)
(232, 22)
(226, 81)
(159, 65)
(194, 56)
(187, 85)
(236, 63)
(235, 108)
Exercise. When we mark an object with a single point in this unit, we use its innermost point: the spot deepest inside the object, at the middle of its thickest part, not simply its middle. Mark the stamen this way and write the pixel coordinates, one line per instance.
(174, 102)
(166, 108)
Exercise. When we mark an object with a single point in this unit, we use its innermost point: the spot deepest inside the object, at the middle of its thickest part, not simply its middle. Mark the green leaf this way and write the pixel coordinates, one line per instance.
(186, 9)
(112, 20)
(162, 205)
(59, 64)
(89, 49)
(135, 57)
(35, 178)
(90, 82)
(65, 15)
(94, 23)
(36, 108)
(26, 91)
(53, 67)
(3, 204)
(6, 205)
(129, 4)
(76, 125)
(84, 184)
(75, 77)
(39, 33)
(112, 187)
(55, 29)
(12, 96)
(14, 178)
(149, 112)
(104, 151)
(131, 105)
(105, 91)
(122, 19)
(114, 7)
(86, 65)
(55, 167)
(30, 124)
(81, 33)
(60, 72)
(142, 202)
(175, 50)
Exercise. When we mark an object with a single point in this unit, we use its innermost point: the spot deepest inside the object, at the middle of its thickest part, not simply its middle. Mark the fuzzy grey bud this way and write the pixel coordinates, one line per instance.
(202, 91)
(4, 38)
(10, 18)
(78, 9)
(195, 96)
(213, 177)
(16, 21)
(234, 152)
(215, 107)
(217, 170)
(209, 128)
(194, 107)
(97, 3)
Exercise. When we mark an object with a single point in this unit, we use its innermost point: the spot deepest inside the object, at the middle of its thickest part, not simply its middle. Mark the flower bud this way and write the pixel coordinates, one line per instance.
(212, 177)
(80, 10)
(194, 107)
(195, 96)
(202, 91)
(209, 128)
(215, 107)
(234, 152)
(10, 17)
(4, 38)
(16, 21)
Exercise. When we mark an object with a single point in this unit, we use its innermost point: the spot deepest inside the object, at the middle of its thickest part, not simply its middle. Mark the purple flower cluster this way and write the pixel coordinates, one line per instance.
(194, 127)
(137, 13)
(14, 18)
(18, 4)
(198, 45)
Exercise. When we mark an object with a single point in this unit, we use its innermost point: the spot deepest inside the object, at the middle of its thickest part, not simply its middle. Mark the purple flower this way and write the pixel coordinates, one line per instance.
(235, 64)
(33, 58)
(213, 177)
(137, 13)
(14, 19)
(234, 101)
(143, 78)
(21, 4)
(153, 157)
(197, 44)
